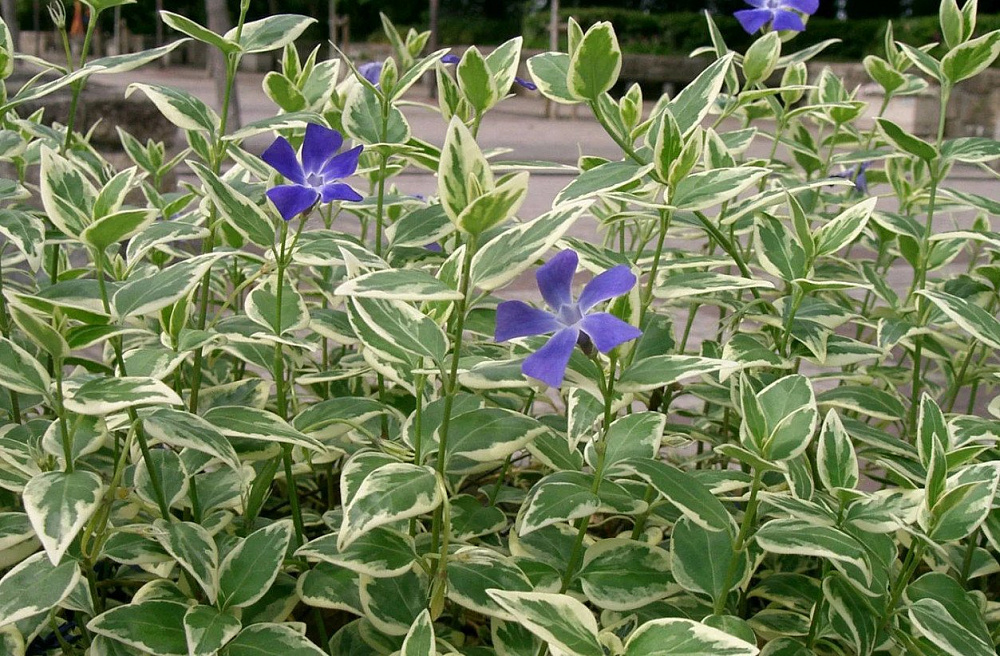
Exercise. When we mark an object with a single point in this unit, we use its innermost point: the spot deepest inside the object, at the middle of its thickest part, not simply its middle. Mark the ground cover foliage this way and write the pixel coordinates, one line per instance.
(253, 414)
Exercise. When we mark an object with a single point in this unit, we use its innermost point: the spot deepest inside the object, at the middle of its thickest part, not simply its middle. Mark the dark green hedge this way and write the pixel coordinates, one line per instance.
(679, 34)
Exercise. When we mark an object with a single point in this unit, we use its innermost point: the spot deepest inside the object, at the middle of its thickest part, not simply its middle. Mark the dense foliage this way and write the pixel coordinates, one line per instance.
(287, 409)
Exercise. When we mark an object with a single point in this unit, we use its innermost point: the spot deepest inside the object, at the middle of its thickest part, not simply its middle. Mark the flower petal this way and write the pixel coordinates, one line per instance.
(518, 319)
(757, 4)
(608, 331)
(450, 59)
(321, 143)
(292, 200)
(527, 84)
(788, 20)
(555, 278)
(753, 19)
(807, 7)
(548, 364)
(613, 282)
(339, 191)
(281, 156)
(343, 165)
(371, 71)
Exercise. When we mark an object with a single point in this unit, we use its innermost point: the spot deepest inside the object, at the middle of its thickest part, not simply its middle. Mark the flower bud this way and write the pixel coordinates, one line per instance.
(795, 75)
(58, 13)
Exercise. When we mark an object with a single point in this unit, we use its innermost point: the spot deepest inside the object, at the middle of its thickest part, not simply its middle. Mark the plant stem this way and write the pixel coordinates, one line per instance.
(77, 87)
(451, 387)
(746, 526)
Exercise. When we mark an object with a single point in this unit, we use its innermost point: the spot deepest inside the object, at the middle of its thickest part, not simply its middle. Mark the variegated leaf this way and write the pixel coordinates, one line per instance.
(58, 505)
(680, 637)
(392, 492)
(34, 586)
(561, 621)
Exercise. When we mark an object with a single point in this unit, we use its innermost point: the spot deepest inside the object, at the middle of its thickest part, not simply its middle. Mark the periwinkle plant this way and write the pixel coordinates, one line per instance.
(256, 415)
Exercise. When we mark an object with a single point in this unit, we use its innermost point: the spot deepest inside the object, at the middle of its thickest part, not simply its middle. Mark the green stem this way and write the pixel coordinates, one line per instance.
(956, 384)
(746, 526)
(910, 564)
(626, 148)
(140, 433)
(77, 87)
(647, 294)
(728, 247)
(451, 388)
(797, 297)
(382, 169)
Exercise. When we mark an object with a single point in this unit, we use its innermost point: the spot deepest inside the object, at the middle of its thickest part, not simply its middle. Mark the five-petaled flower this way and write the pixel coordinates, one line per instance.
(572, 322)
(781, 14)
(317, 177)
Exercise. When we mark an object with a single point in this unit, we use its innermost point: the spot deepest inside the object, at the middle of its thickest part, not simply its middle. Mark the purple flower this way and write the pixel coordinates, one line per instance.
(781, 14)
(450, 59)
(371, 71)
(857, 174)
(572, 322)
(318, 175)
(527, 84)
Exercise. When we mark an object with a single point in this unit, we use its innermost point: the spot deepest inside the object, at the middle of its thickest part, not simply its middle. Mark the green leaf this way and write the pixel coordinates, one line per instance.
(971, 58)
(268, 639)
(696, 100)
(117, 227)
(663, 370)
(971, 150)
(936, 624)
(184, 430)
(67, 195)
(58, 505)
(698, 283)
(870, 401)
(600, 179)
(778, 250)
(905, 141)
(961, 509)
(559, 620)
(633, 436)
(475, 79)
(595, 64)
(495, 206)
(701, 559)
(790, 417)
(34, 586)
(378, 552)
(482, 438)
(261, 425)
(239, 212)
(207, 629)
(464, 173)
(392, 604)
(419, 640)
(398, 285)
(395, 329)
(194, 549)
(836, 460)
(503, 63)
(130, 61)
(802, 538)
(701, 191)
(550, 72)
(516, 249)
(973, 319)
(155, 626)
(761, 58)
(20, 372)
(104, 396)
(682, 490)
(849, 615)
(271, 33)
(473, 571)
(553, 500)
(247, 572)
(179, 107)
(362, 119)
(26, 232)
(262, 307)
(845, 228)
(387, 494)
(621, 574)
(680, 637)
(143, 296)
(197, 32)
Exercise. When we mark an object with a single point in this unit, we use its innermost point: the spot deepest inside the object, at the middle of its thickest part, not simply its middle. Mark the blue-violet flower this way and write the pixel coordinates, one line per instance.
(317, 177)
(781, 14)
(858, 175)
(371, 71)
(572, 322)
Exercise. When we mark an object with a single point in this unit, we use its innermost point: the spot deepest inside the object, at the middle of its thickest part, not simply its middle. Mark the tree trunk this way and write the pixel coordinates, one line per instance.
(220, 22)
(9, 10)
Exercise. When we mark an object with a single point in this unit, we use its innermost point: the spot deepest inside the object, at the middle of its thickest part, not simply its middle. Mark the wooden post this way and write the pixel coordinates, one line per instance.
(159, 32)
(550, 107)
(9, 10)
(332, 26)
(435, 44)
